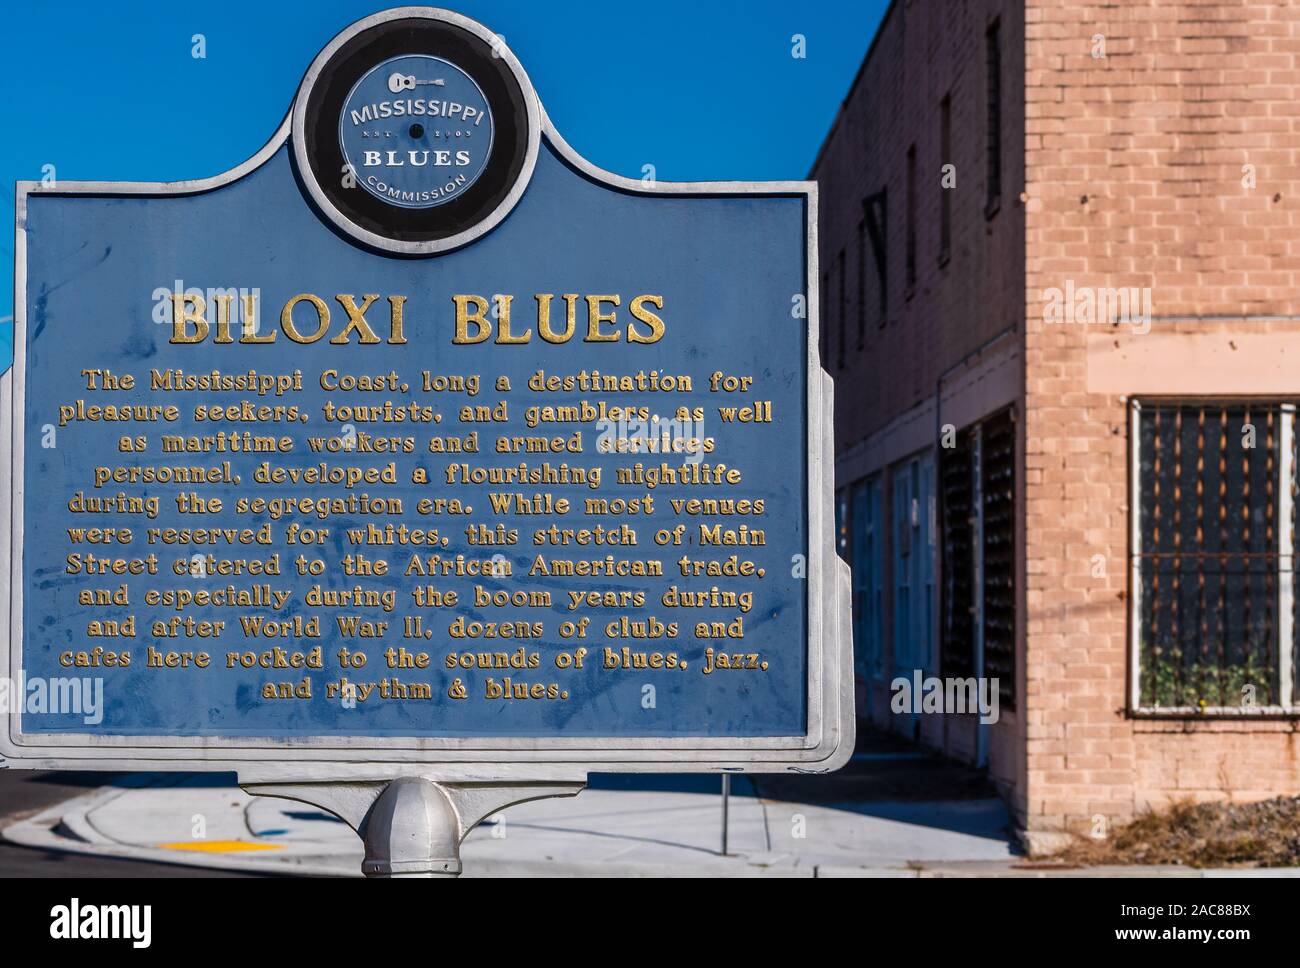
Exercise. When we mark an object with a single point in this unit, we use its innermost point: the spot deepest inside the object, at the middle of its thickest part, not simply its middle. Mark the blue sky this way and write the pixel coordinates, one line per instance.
(701, 89)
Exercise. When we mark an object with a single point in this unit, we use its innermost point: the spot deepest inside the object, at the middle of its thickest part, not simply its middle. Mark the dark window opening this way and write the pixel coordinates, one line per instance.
(874, 213)
(993, 132)
(911, 218)
(862, 284)
(842, 311)
(945, 193)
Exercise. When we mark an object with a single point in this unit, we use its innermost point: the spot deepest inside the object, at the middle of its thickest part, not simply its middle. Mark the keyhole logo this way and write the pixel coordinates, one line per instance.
(416, 130)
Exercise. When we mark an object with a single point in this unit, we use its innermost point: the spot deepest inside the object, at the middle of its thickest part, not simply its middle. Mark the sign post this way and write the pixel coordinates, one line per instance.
(416, 467)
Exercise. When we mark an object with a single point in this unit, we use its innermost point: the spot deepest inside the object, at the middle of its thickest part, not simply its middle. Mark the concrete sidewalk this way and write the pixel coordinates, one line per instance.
(655, 826)
(644, 826)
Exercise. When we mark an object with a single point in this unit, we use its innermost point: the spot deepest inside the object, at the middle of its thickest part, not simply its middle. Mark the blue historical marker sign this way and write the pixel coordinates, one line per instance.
(416, 442)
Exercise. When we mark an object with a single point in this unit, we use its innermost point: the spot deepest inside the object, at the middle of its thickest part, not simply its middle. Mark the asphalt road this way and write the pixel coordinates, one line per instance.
(27, 791)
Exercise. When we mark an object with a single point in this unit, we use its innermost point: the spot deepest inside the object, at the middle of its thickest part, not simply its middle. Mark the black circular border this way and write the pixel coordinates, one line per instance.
(471, 54)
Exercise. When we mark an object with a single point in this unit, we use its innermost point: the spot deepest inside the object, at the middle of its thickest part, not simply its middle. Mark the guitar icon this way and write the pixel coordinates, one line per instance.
(407, 82)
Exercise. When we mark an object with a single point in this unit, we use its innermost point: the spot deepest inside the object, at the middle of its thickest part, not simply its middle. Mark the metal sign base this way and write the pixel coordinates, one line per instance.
(413, 826)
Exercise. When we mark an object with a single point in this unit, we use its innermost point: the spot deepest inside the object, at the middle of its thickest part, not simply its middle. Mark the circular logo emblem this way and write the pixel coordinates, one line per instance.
(416, 130)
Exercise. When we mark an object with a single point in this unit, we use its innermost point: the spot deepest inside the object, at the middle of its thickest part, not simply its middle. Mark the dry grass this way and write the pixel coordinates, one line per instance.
(1264, 834)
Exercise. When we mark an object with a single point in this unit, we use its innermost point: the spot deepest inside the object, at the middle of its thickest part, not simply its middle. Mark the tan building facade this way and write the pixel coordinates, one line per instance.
(1060, 248)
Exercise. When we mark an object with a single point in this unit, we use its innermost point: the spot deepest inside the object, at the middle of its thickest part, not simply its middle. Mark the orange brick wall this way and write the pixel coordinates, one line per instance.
(1134, 177)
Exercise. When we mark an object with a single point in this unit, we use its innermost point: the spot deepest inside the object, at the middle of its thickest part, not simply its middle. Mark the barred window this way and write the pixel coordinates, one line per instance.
(977, 634)
(1213, 588)
(998, 467)
(958, 524)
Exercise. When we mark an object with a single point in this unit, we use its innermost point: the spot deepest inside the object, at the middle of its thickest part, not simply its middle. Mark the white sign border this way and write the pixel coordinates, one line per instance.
(826, 745)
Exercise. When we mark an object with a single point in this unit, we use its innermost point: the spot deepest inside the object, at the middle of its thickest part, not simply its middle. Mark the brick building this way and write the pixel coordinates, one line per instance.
(1060, 254)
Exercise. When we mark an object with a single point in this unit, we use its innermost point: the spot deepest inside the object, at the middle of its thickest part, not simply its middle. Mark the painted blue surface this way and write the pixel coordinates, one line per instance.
(727, 269)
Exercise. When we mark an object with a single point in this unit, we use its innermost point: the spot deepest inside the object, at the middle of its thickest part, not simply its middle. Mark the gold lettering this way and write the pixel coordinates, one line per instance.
(656, 324)
(544, 317)
(464, 317)
(356, 319)
(595, 317)
(503, 324)
(188, 308)
(322, 318)
(395, 320)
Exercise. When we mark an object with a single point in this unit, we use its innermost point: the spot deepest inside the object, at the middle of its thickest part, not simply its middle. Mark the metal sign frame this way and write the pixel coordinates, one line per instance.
(828, 740)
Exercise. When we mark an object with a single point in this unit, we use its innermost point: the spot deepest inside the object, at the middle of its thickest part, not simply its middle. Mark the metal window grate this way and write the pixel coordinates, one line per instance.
(1208, 557)
(1289, 576)
(978, 560)
(998, 457)
(957, 561)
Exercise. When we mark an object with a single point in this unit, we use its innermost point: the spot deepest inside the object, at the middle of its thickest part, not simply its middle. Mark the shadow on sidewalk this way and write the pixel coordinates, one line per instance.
(889, 779)
(884, 767)
(892, 779)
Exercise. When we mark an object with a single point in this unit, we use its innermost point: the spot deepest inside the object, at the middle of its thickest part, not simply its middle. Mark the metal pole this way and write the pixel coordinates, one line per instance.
(412, 826)
(726, 801)
(412, 831)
